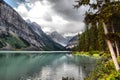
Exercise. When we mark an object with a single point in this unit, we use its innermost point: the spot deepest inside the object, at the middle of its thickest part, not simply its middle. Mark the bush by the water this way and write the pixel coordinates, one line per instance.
(105, 70)
(91, 53)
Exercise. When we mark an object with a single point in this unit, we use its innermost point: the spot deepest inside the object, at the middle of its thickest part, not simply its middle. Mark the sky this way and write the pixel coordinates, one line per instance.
(52, 15)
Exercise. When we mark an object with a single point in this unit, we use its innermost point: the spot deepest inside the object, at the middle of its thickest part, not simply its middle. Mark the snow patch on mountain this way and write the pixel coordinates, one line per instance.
(58, 38)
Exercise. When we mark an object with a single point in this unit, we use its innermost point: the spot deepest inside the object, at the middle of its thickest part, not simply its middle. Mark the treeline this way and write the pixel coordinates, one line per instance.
(107, 16)
(92, 39)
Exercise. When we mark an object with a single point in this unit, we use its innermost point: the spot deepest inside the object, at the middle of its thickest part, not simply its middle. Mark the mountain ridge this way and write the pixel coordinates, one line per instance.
(58, 38)
(12, 22)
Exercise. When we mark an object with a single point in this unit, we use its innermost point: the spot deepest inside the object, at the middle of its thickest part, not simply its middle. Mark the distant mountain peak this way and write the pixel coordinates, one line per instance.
(28, 21)
(58, 38)
(24, 32)
(73, 42)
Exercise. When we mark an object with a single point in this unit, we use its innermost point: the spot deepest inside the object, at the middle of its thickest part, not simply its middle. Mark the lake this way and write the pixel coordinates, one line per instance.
(44, 65)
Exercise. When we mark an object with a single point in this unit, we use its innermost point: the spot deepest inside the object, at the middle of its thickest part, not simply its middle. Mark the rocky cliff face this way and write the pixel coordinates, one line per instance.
(43, 38)
(11, 22)
(59, 38)
(72, 42)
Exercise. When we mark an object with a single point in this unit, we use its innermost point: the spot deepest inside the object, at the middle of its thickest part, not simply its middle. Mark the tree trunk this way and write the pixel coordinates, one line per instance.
(117, 49)
(111, 49)
(115, 43)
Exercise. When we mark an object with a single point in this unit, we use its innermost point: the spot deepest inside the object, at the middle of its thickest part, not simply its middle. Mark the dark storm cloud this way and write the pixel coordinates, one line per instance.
(63, 8)
(66, 10)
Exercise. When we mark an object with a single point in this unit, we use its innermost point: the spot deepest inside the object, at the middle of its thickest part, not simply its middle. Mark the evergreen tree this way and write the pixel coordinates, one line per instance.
(106, 10)
(101, 41)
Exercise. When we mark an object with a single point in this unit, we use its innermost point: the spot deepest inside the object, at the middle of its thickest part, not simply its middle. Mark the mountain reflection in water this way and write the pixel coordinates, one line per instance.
(44, 66)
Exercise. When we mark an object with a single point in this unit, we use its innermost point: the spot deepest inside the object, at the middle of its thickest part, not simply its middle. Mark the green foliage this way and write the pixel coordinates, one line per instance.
(92, 39)
(2, 43)
(101, 40)
(104, 70)
(91, 53)
(14, 41)
(112, 37)
(108, 14)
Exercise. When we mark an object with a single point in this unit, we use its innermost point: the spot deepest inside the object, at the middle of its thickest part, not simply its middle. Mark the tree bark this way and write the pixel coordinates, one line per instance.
(117, 49)
(115, 43)
(111, 48)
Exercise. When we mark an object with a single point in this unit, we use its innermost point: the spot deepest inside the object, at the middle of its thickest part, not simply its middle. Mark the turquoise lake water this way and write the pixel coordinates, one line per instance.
(44, 66)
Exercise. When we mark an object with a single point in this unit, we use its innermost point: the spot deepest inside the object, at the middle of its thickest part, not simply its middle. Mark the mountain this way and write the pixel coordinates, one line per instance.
(16, 33)
(72, 42)
(43, 38)
(58, 38)
(69, 38)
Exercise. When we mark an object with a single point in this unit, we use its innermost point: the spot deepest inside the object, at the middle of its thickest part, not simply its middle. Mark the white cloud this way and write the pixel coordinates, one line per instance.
(43, 13)
(22, 10)
(39, 10)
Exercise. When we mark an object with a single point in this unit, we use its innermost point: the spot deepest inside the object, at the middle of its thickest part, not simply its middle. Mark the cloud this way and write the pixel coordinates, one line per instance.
(74, 27)
(47, 17)
(53, 15)
(65, 9)
(22, 10)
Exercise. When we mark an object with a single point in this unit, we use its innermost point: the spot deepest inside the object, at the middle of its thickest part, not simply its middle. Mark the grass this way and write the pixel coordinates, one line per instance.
(96, 54)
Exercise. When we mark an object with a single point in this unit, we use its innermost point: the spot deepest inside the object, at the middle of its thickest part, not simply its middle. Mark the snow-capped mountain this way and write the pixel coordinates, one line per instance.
(59, 38)
(43, 38)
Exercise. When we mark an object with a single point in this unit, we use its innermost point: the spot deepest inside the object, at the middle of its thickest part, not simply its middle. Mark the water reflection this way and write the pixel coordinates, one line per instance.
(44, 66)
